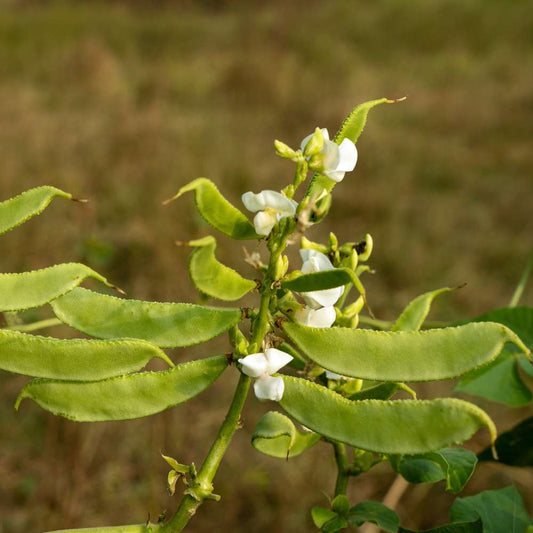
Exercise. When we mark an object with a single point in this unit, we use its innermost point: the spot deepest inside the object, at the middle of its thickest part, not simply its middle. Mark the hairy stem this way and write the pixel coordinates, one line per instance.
(41, 324)
(189, 503)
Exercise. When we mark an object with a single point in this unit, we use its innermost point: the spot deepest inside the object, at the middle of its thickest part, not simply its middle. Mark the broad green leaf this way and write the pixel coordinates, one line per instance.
(376, 512)
(398, 427)
(382, 391)
(39, 287)
(124, 397)
(351, 128)
(217, 211)
(168, 325)
(402, 355)
(514, 447)
(335, 524)
(317, 281)
(415, 313)
(26, 205)
(76, 359)
(499, 510)
(458, 527)
(499, 381)
(275, 435)
(212, 277)
(455, 465)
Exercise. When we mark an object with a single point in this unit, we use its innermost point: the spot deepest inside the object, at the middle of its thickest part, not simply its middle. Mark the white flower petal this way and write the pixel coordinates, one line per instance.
(322, 318)
(331, 155)
(276, 201)
(253, 202)
(334, 175)
(276, 359)
(254, 365)
(324, 298)
(314, 261)
(269, 388)
(348, 156)
(264, 221)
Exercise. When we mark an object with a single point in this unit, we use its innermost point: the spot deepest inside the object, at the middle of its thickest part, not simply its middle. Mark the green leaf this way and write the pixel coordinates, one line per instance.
(335, 524)
(382, 391)
(499, 381)
(514, 447)
(321, 516)
(77, 359)
(415, 313)
(275, 435)
(351, 128)
(167, 325)
(402, 355)
(417, 426)
(124, 397)
(21, 208)
(213, 278)
(317, 281)
(458, 527)
(455, 465)
(39, 287)
(217, 211)
(499, 510)
(376, 512)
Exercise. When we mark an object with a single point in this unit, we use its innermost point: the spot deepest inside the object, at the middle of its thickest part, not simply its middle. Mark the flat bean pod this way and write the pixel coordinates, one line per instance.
(124, 397)
(39, 287)
(75, 359)
(167, 325)
(398, 427)
(403, 355)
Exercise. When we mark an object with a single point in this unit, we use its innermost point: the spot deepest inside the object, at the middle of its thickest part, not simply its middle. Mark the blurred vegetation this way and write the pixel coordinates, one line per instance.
(123, 103)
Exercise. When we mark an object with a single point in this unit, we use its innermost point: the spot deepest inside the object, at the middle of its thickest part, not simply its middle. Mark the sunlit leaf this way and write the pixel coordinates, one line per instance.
(26, 205)
(382, 391)
(275, 435)
(39, 287)
(124, 397)
(165, 324)
(398, 427)
(402, 355)
(217, 211)
(212, 277)
(76, 359)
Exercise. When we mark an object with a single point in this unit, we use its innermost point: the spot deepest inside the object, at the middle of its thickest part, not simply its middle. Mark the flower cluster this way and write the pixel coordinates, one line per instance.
(334, 159)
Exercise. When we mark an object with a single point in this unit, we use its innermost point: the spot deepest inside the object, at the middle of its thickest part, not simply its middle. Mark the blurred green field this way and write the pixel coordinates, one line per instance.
(124, 103)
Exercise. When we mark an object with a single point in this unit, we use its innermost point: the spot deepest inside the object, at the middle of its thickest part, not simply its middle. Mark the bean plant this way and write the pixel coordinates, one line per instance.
(341, 366)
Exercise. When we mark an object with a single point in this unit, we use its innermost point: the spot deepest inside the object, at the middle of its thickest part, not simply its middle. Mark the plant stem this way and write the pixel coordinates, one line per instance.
(41, 324)
(341, 484)
(189, 504)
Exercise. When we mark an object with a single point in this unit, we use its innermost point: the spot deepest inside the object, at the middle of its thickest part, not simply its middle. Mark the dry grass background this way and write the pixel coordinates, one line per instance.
(123, 103)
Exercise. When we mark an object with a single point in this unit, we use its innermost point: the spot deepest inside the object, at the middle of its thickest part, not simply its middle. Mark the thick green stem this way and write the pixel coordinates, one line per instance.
(189, 503)
(343, 475)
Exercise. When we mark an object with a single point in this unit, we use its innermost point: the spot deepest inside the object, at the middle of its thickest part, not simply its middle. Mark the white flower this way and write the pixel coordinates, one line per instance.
(337, 158)
(314, 261)
(272, 206)
(316, 318)
(261, 366)
(333, 375)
